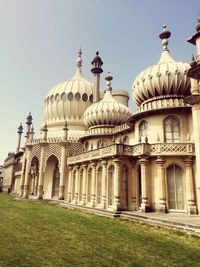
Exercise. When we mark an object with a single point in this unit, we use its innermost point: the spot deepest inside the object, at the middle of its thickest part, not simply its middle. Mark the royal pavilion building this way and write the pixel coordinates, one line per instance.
(94, 152)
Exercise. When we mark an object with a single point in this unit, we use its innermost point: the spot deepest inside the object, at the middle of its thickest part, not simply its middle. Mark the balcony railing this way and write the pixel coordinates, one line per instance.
(164, 149)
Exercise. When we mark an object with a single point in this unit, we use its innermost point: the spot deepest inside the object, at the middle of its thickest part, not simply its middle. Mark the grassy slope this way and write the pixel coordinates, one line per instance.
(41, 234)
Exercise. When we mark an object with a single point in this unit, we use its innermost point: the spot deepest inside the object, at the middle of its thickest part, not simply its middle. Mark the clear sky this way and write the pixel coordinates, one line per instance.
(39, 40)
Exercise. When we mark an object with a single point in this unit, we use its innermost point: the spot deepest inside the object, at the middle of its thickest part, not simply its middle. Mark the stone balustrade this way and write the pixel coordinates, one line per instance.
(162, 149)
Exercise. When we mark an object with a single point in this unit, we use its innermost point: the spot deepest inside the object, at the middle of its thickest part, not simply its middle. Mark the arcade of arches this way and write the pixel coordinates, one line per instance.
(119, 184)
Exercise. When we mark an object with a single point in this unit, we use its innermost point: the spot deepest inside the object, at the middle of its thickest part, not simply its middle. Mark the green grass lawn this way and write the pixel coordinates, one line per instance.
(42, 234)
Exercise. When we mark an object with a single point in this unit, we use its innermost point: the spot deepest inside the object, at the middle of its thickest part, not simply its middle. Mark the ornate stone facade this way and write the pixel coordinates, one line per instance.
(146, 161)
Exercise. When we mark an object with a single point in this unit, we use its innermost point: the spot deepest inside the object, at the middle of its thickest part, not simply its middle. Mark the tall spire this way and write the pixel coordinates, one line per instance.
(20, 131)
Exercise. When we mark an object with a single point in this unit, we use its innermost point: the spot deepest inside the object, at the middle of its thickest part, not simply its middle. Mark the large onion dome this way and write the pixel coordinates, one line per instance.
(108, 112)
(165, 79)
(68, 100)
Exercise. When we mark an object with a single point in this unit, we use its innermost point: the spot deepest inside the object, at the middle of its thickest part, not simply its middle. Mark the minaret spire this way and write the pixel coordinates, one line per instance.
(96, 70)
(29, 120)
(20, 131)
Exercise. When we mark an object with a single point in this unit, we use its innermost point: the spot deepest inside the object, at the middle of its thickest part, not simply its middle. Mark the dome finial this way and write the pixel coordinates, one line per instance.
(78, 64)
(108, 79)
(79, 59)
(164, 35)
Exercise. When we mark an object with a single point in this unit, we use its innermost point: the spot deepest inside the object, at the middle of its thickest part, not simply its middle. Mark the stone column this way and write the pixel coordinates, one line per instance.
(23, 174)
(191, 206)
(27, 170)
(117, 175)
(41, 172)
(132, 187)
(84, 183)
(69, 184)
(62, 172)
(94, 184)
(104, 185)
(144, 179)
(76, 184)
(161, 184)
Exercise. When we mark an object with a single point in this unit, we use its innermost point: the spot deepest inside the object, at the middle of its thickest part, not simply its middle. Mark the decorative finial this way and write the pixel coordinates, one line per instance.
(164, 35)
(79, 59)
(97, 53)
(44, 132)
(109, 78)
(65, 131)
(198, 24)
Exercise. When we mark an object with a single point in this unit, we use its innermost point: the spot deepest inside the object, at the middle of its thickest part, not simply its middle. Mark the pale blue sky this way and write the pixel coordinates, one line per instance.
(39, 40)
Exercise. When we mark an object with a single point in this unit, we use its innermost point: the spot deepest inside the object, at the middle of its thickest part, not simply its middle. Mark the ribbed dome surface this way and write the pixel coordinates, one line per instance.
(68, 100)
(167, 77)
(108, 112)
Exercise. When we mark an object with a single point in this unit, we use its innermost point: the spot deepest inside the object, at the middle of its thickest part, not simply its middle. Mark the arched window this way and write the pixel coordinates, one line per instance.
(143, 129)
(99, 185)
(111, 185)
(81, 186)
(175, 187)
(73, 184)
(89, 186)
(171, 130)
(102, 143)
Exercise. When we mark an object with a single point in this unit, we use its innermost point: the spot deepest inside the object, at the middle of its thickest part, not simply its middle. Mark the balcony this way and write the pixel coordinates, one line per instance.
(158, 149)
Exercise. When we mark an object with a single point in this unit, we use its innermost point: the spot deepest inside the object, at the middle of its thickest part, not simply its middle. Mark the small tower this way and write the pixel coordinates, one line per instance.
(20, 131)
(96, 70)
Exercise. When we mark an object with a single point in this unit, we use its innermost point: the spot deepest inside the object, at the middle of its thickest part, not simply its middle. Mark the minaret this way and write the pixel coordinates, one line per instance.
(29, 120)
(20, 131)
(194, 101)
(96, 70)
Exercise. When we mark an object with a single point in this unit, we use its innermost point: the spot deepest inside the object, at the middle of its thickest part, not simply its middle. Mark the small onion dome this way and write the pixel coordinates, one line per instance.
(167, 77)
(68, 100)
(108, 112)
